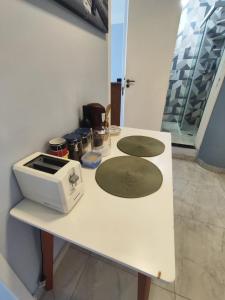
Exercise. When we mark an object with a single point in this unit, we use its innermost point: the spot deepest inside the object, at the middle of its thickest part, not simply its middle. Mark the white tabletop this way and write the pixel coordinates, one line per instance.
(137, 233)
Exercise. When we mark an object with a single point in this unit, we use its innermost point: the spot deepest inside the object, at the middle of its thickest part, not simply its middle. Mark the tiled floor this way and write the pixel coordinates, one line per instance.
(199, 204)
(179, 136)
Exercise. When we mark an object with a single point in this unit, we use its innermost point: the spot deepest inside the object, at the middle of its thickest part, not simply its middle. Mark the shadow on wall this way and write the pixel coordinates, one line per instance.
(26, 237)
(19, 236)
(52, 7)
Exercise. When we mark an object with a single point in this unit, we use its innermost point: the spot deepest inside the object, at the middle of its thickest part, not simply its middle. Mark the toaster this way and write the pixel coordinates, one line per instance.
(52, 181)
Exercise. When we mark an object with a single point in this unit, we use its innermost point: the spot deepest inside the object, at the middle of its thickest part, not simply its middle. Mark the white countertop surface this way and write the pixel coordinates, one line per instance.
(137, 233)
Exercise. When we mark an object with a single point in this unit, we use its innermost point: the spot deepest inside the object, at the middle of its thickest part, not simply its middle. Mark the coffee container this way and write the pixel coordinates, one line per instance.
(86, 138)
(58, 147)
(75, 146)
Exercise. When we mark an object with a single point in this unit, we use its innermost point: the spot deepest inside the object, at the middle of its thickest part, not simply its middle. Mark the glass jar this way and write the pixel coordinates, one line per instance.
(86, 137)
(101, 141)
(75, 146)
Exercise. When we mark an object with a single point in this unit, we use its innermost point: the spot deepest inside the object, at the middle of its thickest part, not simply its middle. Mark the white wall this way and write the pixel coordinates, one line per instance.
(51, 62)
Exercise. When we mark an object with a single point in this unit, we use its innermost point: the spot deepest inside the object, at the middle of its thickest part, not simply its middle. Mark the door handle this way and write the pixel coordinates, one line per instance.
(129, 82)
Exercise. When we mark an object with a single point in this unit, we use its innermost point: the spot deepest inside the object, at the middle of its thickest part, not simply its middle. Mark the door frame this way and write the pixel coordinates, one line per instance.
(125, 33)
(215, 90)
(108, 41)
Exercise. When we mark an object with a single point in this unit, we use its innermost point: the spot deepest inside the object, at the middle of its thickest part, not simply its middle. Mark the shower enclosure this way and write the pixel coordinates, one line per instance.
(199, 49)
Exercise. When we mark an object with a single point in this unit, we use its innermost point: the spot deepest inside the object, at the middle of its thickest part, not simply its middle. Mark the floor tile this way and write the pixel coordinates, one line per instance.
(198, 282)
(200, 202)
(191, 172)
(102, 281)
(157, 293)
(221, 179)
(49, 296)
(166, 286)
(181, 298)
(200, 260)
(68, 274)
(198, 193)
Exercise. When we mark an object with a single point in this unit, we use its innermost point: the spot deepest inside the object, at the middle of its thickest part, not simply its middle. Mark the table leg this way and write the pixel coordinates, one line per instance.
(144, 284)
(47, 243)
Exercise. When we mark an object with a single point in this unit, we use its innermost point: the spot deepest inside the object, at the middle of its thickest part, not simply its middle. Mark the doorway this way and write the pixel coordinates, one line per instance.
(198, 53)
(119, 23)
(147, 51)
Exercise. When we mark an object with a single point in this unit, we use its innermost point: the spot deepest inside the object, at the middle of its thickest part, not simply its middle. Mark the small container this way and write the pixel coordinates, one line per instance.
(86, 137)
(87, 142)
(61, 153)
(57, 144)
(74, 145)
(102, 141)
(114, 130)
(58, 147)
(91, 160)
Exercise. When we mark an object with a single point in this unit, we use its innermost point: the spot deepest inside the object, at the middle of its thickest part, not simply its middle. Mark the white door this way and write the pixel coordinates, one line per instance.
(152, 31)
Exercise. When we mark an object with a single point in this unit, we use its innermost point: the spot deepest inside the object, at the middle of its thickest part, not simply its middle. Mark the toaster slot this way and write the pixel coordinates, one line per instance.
(44, 167)
(46, 164)
(54, 161)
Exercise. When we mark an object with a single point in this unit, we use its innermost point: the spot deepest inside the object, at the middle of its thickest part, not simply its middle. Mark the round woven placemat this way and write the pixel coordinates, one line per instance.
(141, 146)
(129, 177)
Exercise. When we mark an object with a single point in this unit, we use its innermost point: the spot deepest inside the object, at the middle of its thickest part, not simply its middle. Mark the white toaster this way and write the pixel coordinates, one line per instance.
(52, 181)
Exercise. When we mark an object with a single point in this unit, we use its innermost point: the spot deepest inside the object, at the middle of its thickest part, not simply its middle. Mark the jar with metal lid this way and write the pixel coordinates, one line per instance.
(74, 146)
(58, 147)
(86, 137)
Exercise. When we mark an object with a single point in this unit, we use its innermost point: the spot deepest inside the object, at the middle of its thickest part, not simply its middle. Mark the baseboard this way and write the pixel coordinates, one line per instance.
(183, 146)
(41, 290)
(210, 167)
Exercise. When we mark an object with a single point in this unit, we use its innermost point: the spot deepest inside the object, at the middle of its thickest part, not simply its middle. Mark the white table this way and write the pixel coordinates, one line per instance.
(136, 233)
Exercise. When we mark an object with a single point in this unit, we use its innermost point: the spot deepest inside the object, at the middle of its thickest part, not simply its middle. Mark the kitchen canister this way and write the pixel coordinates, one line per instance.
(75, 146)
(86, 138)
(58, 147)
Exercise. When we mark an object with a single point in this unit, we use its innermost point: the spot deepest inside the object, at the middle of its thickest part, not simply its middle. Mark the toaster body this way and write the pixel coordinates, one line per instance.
(49, 180)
